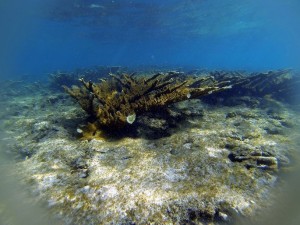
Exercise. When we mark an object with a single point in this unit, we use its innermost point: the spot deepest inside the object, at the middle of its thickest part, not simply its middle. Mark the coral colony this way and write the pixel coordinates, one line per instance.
(115, 102)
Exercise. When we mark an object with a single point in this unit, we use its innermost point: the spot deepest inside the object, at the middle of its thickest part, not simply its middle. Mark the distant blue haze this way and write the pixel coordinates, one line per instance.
(212, 34)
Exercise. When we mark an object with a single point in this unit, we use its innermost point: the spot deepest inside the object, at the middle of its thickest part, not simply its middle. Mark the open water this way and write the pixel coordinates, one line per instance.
(38, 37)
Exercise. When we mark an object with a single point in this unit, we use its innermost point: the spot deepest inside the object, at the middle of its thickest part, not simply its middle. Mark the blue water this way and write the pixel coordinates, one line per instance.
(41, 36)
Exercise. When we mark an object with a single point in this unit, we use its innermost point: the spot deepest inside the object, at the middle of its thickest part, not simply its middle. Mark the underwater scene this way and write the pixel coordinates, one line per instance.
(129, 112)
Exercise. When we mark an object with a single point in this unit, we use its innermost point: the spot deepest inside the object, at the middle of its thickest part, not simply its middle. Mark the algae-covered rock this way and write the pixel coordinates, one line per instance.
(192, 163)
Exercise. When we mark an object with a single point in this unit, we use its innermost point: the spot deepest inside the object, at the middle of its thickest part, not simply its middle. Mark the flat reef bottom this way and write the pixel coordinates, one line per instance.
(219, 164)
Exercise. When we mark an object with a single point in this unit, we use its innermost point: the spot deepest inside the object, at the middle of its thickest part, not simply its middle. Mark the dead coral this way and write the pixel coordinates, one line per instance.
(115, 102)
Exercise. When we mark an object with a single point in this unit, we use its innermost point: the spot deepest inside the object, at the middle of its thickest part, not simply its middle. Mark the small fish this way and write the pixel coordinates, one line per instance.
(79, 131)
(92, 6)
(131, 118)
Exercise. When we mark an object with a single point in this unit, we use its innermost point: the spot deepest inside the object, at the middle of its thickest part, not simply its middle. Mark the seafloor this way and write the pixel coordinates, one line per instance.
(216, 164)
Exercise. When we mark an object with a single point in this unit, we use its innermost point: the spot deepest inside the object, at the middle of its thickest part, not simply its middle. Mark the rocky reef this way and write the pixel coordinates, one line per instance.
(223, 161)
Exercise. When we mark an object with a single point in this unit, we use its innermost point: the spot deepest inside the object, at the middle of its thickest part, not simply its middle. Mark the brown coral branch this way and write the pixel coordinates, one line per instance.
(114, 103)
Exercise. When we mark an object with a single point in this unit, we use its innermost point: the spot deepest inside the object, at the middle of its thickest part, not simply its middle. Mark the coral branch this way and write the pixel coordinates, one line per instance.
(115, 102)
(119, 99)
